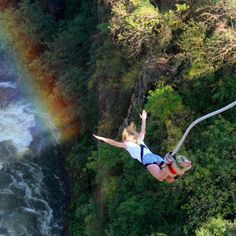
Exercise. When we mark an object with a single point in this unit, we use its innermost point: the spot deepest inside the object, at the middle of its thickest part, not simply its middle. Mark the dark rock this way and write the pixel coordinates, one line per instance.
(53, 7)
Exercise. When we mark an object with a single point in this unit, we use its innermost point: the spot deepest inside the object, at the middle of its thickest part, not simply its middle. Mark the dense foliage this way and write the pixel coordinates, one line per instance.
(93, 57)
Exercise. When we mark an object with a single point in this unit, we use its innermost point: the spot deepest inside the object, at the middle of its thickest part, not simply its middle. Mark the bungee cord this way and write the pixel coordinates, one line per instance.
(199, 120)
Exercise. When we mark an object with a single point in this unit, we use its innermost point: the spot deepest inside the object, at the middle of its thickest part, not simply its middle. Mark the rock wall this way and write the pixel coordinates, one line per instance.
(165, 68)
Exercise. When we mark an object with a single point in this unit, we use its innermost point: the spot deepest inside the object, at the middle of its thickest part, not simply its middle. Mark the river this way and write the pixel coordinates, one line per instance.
(32, 186)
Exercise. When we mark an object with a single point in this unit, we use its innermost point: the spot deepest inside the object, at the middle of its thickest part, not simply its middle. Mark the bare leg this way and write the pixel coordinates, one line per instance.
(156, 172)
(170, 179)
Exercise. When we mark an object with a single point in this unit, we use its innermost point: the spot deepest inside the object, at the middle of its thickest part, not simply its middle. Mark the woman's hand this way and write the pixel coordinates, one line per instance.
(143, 116)
(99, 138)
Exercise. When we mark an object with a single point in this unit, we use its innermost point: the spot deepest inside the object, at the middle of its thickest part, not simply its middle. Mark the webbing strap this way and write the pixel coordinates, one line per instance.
(141, 154)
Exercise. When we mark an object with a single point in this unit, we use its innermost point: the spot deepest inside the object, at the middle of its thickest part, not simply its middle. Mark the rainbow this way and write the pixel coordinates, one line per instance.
(25, 51)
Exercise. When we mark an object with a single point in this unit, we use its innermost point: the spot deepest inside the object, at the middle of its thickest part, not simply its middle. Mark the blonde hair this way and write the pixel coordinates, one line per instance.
(130, 133)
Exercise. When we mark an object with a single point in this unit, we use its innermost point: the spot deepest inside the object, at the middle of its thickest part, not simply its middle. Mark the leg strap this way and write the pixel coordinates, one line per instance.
(156, 163)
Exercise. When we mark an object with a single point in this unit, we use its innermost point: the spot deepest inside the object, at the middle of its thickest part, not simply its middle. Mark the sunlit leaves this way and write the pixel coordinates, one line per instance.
(164, 102)
(137, 26)
(216, 226)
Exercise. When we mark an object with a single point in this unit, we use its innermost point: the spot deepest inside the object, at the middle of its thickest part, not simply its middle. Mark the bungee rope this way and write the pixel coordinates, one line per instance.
(178, 165)
(199, 120)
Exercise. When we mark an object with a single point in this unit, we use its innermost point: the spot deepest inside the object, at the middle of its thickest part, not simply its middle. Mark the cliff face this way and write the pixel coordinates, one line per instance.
(165, 68)
(114, 103)
(113, 107)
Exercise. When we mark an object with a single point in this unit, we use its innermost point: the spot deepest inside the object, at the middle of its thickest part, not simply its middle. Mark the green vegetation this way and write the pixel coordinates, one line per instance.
(95, 57)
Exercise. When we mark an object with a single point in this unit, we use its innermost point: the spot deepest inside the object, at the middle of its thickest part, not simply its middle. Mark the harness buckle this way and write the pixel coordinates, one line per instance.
(169, 158)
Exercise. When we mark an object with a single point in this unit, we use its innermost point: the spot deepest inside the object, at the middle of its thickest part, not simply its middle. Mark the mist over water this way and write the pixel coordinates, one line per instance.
(32, 189)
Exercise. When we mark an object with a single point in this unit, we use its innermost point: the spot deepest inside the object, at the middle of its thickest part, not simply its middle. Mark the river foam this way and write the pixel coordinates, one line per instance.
(32, 191)
(16, 120)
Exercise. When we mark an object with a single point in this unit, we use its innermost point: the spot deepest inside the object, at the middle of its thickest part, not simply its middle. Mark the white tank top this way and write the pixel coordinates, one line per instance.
(135, 150)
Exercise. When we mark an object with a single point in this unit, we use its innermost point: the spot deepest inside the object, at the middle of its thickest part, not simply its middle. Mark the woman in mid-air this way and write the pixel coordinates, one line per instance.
(133, 142)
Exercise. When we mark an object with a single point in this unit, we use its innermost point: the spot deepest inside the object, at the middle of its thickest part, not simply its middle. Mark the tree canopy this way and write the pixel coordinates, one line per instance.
(95, 60)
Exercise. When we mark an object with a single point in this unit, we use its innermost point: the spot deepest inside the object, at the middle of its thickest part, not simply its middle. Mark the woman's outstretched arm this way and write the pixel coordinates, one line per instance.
(143, 116)
(110, 141)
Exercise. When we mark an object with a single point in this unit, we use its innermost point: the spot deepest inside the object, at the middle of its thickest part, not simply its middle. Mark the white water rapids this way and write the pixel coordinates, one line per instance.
(15, 123)
(32, 189)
